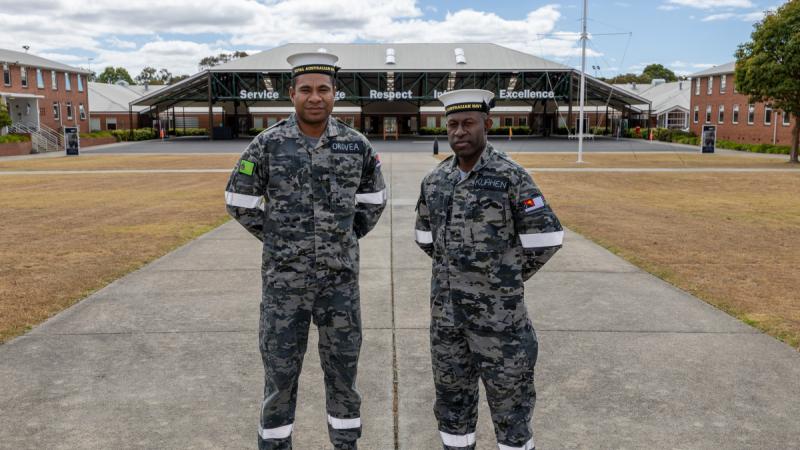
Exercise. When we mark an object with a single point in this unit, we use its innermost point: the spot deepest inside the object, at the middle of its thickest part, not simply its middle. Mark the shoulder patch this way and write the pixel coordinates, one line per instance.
(247, 167)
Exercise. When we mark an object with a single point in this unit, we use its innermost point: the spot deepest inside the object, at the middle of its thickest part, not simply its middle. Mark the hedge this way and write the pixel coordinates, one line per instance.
(96, 134)
(14, 138)
(754, 148)
(190, 132)
(139, 134)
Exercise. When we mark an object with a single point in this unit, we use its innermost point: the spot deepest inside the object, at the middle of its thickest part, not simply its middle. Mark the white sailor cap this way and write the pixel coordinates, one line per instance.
(467, 100)
(313, 62)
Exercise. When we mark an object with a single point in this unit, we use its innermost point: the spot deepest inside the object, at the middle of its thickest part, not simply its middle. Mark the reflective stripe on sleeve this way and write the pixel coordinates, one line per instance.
(243, 201)
(457, 440)
(424, 237)
(344, 424)
(528, 446)
(542, 239)
(275, 433)
(372, 198)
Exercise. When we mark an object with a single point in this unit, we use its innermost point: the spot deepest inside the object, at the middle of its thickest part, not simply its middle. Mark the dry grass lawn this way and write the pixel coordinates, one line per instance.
(120, 162)
(65, 236)
(731, 239)
(650, 160)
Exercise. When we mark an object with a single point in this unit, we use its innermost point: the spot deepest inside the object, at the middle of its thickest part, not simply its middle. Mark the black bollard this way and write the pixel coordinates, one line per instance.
(435, 145)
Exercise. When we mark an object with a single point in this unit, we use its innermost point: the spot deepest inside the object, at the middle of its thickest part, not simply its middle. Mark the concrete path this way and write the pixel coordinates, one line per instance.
(167, 357)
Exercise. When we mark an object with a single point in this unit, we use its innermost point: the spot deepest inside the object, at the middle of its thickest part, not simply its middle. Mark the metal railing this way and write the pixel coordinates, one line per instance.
(43, 138)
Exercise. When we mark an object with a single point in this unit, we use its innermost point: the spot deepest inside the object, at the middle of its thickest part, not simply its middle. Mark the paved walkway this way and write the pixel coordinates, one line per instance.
(166, 357)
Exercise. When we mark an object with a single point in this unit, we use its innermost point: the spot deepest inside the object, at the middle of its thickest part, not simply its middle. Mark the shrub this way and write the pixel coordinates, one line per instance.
(754, 148)
(503, 131)
(14, 138)
(190, 132)
(96, 134)
(255, 131)
(139, 134)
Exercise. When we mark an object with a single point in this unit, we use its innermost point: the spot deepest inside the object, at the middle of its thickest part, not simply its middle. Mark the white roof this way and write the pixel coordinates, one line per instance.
(115, 98)
(29, 60)
(717, 70)
(290, 109)
(422, 57)
(664, 97)
(496, 109)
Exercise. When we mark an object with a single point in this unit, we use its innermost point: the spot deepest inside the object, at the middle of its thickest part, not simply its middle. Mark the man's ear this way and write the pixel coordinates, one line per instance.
(291, 93)
(488, 123)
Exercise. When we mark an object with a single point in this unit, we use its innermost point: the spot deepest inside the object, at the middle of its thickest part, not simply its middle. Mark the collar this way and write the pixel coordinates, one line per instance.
(331, 130)
(486, 156)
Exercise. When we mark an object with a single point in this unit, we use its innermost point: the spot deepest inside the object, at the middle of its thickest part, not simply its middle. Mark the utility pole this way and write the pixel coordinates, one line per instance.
(584, 37)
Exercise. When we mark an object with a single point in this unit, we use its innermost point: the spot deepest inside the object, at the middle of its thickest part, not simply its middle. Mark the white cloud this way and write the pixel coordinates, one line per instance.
(712, 4)
(95, 27)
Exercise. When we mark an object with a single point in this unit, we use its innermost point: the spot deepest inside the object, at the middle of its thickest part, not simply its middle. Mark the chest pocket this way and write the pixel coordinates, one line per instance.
(489, 220)
(346, 175)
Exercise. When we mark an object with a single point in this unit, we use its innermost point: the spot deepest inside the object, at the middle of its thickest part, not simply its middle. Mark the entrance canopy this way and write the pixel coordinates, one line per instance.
(411, 75)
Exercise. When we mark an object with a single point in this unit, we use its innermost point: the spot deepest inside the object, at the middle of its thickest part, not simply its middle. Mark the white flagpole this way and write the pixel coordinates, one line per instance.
(584, 37)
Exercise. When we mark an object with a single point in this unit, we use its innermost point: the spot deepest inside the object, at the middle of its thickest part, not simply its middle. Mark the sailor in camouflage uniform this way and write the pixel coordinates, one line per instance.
(309, 187)
(488, 229)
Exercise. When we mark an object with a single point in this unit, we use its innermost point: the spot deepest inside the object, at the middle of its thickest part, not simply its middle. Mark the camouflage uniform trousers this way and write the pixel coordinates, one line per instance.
(505, 362)
(286, 313)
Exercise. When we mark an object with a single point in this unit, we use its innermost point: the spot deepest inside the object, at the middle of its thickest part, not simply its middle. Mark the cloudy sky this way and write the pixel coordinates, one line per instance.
(684, 35)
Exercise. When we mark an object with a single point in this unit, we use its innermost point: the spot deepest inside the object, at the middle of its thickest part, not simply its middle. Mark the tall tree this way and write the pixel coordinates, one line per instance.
(767, 67)
(114, 74)
(147, 76)
(222, 58)
(656, 71)
(5, 118)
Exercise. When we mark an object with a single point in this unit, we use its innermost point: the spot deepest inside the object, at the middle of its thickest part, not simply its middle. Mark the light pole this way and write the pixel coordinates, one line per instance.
(584, 37)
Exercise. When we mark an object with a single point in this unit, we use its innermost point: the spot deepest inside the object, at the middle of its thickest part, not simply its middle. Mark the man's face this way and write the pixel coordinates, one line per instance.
(466, 132)
(312, 96)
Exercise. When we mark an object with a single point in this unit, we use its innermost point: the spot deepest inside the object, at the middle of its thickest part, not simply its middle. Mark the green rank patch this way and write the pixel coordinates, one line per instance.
(246, 167)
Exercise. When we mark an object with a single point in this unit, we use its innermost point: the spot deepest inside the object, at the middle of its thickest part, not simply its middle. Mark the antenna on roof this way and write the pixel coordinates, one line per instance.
(26, 48)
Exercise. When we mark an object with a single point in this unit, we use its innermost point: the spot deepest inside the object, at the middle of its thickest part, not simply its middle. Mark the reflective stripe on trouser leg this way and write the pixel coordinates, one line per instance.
(338, 317)
(456, 382)
(283, 335)
(506, 361)
(528, 446)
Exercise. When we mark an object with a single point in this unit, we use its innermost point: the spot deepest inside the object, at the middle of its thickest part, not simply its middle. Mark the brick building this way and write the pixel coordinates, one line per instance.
(716, 102)
(42, 94)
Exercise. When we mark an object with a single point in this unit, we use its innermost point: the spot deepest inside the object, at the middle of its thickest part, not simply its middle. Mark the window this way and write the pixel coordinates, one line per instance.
(430, 122)
(751, 114)
(787, 118)
(271, 121)
(677, 119)
(6, 74)
(508, 121)
(53, 80)
(23, 76)
(697, 87)
(258, 122)
(69, 110)
(81, 111)
(523, 121)
(56, 110)
(39, 79)
(111, 123)
(723, 84)
(67, 84)
(721, 114)
(767, 115)
(735, 118)
(696, 114)
(710, 88)
(80, 83)
(708, 114)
